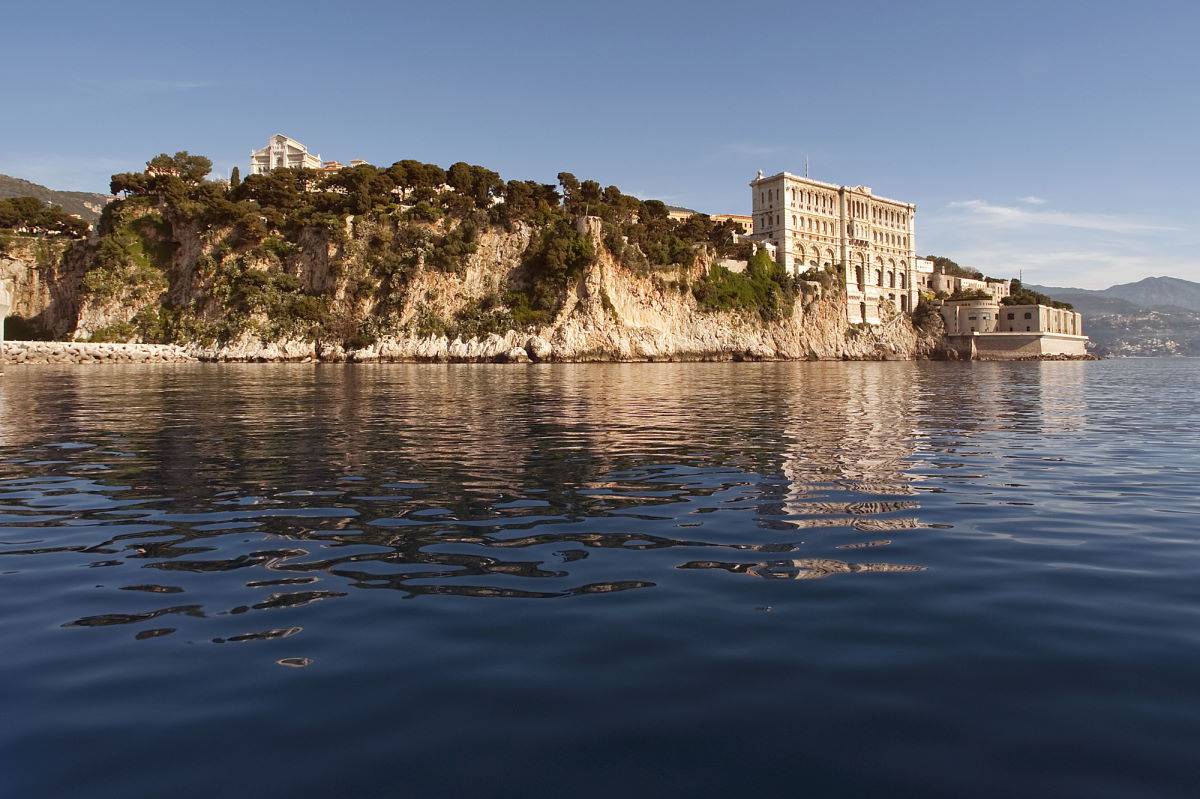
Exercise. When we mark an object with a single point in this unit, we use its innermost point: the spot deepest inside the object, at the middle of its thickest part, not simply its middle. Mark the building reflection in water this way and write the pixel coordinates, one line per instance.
(312, 483)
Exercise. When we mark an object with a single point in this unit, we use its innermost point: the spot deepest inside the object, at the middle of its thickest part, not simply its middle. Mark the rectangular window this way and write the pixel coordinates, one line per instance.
(1010, 316)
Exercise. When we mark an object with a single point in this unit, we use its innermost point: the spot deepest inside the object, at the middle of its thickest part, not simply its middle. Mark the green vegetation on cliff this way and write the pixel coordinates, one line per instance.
(351, 256)
(970, 294)
(764, 288)
(333, 255)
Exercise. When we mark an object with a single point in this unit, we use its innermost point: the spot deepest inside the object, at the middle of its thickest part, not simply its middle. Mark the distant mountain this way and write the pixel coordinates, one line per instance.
(1159, 291)
(1149, 292)
(1154, 316)
(86, 204)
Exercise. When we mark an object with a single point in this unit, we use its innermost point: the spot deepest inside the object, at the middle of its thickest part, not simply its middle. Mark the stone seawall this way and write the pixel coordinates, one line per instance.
(79, 352)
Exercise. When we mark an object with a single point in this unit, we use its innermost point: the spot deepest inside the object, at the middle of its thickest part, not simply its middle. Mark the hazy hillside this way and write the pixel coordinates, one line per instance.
(86, 204)
(1148, 293)
(1154, 316)
(1156, 291)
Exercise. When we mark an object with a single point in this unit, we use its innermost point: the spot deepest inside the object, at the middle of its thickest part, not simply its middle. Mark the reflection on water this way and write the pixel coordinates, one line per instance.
(478, 482)
(247, 512)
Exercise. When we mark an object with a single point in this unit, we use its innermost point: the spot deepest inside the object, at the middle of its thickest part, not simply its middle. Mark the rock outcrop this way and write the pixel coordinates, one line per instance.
(611, 312)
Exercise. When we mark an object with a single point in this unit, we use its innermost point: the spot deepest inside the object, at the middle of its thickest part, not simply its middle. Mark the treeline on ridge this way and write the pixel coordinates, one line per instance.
(31, 215)
(415, 216)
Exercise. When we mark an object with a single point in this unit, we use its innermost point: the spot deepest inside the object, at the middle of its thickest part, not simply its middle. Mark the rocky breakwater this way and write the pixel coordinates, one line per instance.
(81, 352)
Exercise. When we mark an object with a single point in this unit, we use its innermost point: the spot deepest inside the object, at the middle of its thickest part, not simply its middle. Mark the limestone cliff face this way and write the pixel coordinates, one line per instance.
(611, 311)
(44, 274)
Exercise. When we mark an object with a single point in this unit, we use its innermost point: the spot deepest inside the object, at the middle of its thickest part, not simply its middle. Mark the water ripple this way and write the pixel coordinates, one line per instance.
(915, 531)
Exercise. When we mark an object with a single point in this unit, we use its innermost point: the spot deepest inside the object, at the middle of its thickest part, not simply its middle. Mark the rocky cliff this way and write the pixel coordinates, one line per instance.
(175, 288)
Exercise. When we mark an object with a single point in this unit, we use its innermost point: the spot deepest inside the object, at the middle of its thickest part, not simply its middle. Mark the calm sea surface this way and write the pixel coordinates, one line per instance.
(815, 579)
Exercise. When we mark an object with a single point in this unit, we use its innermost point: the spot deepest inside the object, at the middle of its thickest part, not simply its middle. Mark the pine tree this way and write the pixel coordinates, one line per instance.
(235, 178)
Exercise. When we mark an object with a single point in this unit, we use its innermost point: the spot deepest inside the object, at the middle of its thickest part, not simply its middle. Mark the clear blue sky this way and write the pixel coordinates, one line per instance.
(1057, 138)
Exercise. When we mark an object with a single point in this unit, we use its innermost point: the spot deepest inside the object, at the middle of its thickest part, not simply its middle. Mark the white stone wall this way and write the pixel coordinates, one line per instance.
(1040, 319)
(963, 317)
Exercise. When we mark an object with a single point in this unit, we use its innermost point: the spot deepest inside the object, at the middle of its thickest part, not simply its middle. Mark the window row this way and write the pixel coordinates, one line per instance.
(891, 239)
(812, 225)
(813, 199)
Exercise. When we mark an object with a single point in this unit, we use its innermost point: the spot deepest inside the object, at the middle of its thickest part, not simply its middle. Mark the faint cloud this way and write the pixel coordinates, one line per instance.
(1032, 200)
(1076, 268)
(1013, 216)
(143, 86)
(1058, 248)
(749, 150)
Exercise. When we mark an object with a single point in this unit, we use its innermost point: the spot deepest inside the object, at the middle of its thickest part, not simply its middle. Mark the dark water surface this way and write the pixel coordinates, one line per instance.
(612, 580)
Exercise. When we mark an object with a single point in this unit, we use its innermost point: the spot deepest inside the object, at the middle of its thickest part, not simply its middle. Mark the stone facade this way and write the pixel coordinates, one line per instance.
(988, 329)
(924, 274)
(963, 317)
(988, 316)
(869, 240)
(942, 283)
(1039, 319)
(282, 152)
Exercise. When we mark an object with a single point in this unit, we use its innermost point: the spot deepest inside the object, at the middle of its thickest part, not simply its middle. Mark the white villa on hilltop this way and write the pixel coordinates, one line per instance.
(282, 152)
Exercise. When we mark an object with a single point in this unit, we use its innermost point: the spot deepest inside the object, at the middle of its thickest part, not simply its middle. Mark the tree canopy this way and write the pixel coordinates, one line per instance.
(419, 216)
(951, 267)
(31, 215)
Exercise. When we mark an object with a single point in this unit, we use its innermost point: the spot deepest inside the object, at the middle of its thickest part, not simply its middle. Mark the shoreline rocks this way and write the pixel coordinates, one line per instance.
(511, 348)
(86, 352)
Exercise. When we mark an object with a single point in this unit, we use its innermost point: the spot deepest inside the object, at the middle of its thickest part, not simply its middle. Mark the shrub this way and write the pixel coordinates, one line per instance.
(763, 289)
(970, 294)
(128, 264)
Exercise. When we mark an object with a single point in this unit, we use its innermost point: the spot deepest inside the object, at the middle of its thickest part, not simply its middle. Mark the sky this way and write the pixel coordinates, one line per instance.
(1056, 141)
